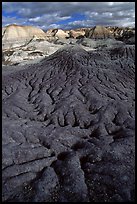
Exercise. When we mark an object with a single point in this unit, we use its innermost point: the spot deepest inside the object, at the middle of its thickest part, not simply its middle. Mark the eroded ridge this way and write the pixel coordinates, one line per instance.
(68, 128)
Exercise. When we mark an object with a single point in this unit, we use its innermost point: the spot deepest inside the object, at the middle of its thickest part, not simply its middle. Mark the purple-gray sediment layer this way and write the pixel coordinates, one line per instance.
(69, 127)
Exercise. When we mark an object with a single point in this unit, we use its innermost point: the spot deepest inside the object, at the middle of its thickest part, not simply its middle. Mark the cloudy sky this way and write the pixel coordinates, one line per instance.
(68, 15)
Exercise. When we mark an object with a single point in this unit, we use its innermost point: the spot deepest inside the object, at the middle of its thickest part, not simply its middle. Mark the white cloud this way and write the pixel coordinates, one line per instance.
(65, 17)
(49, 14)
(36, 19)
(110, 3)
(107, 14)
(12, 20)
(24, 11)
(88, 23)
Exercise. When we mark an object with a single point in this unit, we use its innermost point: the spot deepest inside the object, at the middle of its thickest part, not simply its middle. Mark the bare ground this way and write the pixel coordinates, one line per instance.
(69, 128)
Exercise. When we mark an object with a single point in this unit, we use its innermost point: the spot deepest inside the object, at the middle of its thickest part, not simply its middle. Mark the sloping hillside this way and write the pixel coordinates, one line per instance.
(68, 127)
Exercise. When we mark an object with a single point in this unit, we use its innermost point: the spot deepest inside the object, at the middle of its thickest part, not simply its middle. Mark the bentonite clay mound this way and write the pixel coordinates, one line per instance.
(68, 128)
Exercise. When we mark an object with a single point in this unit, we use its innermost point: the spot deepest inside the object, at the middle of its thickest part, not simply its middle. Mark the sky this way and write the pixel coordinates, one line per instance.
(68, 15)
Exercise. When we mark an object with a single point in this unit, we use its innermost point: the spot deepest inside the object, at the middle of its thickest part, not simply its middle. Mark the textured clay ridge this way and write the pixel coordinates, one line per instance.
(68, 128)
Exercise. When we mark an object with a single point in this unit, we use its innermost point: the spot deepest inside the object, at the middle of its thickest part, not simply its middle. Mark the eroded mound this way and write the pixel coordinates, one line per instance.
(68, 128)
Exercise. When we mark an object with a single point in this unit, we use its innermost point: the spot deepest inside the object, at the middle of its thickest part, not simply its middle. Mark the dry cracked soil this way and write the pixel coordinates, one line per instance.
(69, 127)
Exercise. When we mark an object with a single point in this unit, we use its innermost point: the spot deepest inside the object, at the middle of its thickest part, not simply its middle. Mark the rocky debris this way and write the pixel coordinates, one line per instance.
(16, 35)
(98, 32)
(69, 127)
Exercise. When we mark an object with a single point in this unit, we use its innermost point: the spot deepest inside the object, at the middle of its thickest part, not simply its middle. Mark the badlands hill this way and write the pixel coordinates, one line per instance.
(22, 44)
(99, 32)
(68, 118)
(17, 31)
(16, 34)
(69, 127)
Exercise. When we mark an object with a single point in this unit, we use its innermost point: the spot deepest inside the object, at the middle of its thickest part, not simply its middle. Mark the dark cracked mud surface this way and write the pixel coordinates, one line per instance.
(68, 128)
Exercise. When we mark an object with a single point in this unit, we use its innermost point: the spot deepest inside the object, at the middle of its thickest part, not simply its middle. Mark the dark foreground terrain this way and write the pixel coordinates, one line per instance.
(68, 127)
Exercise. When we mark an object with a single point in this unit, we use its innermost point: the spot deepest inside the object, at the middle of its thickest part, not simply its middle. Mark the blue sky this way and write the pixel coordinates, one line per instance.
(68, 15)
(74, 17)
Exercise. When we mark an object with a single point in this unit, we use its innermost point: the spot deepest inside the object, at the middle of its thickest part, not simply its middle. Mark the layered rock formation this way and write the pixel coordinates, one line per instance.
(15, 35)
(126, 34)
(121, 33)
(22, 44)
(77, 33)
(99, 32)
(54, 34)
(61, 34)
(69, 127)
